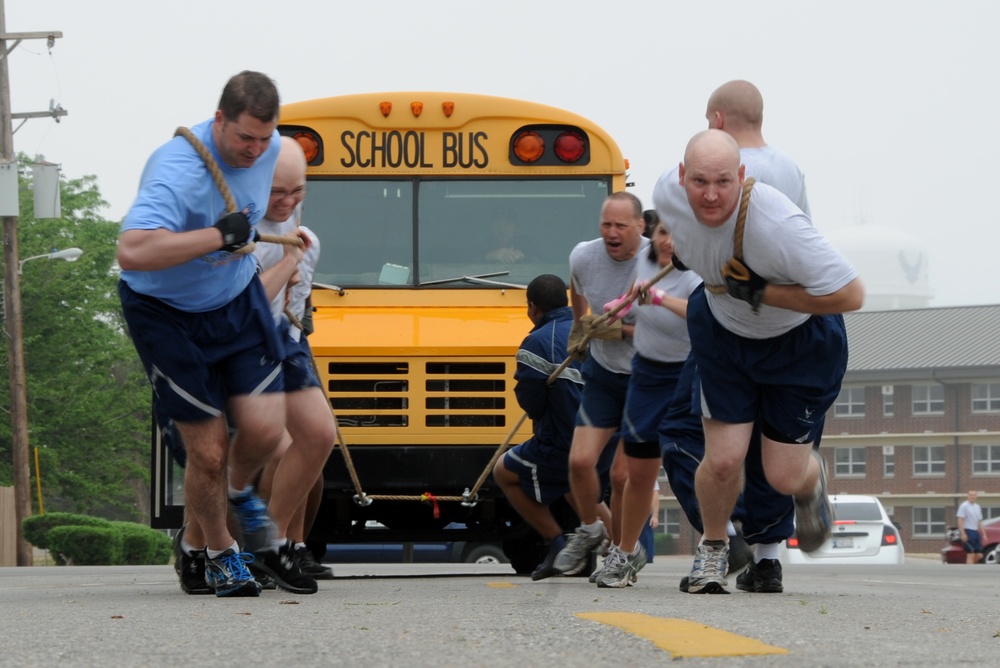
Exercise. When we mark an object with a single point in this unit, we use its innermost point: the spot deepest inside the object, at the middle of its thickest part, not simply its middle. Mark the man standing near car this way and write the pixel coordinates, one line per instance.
(969, 515)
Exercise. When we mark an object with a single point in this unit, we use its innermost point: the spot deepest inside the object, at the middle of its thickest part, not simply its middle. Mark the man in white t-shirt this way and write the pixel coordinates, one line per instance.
(970, 527)
(767, 336)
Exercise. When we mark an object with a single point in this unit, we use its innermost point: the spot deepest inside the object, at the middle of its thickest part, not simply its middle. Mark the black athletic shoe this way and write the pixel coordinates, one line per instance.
(740, 554)
(767, 577)
(763, 577)
(311, 567)
(547, 569)
(283, 567)
(190, 569)
(745, 580)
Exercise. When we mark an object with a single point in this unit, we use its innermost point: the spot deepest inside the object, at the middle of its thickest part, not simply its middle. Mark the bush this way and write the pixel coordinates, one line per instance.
(664, 543)
(36, 528)
(142, 545)
(136, 544)
(87, 545)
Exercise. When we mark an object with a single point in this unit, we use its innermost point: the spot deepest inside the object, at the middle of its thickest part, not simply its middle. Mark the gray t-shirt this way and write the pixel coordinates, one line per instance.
(779, 243)
(600, 279)
(661, 334)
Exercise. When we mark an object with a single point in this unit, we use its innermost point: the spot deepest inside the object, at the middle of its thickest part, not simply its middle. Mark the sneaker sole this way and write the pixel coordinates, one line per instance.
(773, 588)
(707, 588)
(615, 584)
(246, 589)
(291, 589)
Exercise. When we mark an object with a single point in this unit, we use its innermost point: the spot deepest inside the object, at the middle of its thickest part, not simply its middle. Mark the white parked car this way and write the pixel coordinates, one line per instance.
(862, 534)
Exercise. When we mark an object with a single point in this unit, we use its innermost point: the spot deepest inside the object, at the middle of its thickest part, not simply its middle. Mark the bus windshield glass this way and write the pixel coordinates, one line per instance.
(449, 233)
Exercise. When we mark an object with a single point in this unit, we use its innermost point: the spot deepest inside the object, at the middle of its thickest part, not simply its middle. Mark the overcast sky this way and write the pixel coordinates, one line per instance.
(889, 107)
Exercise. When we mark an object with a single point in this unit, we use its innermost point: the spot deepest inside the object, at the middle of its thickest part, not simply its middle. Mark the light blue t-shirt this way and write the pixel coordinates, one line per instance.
(177, 193)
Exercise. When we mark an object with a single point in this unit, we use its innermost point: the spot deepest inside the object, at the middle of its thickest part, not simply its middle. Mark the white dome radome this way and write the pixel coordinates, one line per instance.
(892, 265)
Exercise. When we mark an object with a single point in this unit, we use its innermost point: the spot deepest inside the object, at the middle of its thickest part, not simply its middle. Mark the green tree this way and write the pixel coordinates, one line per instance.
(88, 400)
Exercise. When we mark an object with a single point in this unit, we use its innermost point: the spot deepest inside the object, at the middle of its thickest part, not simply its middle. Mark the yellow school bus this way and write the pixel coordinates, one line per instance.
(434, 211)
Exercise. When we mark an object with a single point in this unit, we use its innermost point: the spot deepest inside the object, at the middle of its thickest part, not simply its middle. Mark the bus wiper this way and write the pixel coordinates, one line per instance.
(479, 279)
(336, 288)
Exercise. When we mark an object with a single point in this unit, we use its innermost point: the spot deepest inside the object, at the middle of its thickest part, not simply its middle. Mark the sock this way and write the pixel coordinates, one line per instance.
(235, 493)
(766, 551)
(188, 549)
(714, 543)
(277, 544)
(215, 554)
(592, 529)
(299, 546)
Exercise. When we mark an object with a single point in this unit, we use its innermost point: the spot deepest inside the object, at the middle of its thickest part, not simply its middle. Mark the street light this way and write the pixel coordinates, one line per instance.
(70, 255)
(15, 364)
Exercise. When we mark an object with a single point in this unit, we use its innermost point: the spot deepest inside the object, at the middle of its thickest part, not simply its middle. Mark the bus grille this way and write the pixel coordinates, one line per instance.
(419, 394)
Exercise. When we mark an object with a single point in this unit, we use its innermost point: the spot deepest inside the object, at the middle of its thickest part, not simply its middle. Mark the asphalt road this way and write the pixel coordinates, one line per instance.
(413, 615)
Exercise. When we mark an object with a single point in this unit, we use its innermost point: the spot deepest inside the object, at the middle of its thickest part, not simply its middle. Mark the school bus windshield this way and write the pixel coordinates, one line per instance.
(422, 232)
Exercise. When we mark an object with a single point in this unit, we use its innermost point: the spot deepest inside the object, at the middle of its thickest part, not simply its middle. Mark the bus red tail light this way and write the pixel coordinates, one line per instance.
(549, 145)
(570, 146)
(308, 139)
(528, 146)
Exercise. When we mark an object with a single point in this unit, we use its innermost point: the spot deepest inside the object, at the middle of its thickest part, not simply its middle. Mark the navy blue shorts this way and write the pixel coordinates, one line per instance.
(650, 390)
(196, 361)
(542, 471)
(975, 544)
(602, 401)
(789, 381)
(300, 374)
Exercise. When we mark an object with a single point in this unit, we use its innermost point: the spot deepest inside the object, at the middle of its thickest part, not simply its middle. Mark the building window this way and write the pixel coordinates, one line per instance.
(849, 462)
(887, 402)
(928, 522)
(670, 521)
(986, 459)
(928, 460)
(986, 397)
(850, 403)
(888, 461)
(989, 512)
(928, 399)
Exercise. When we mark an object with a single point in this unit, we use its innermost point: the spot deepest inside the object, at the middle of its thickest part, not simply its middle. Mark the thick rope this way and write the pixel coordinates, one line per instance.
(741, 219)
(227, 195)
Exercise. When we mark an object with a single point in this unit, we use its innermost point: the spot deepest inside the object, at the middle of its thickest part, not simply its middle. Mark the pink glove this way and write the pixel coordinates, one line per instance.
(614, 303)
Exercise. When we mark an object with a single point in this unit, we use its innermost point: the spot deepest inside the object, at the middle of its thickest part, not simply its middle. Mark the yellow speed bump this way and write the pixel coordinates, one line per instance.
(683, 638)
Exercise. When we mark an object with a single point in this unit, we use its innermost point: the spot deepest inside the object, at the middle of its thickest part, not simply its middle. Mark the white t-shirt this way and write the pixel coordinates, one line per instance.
(972, 513)
(771, 166)
(661, 334)
(269, 254)
(779, 243)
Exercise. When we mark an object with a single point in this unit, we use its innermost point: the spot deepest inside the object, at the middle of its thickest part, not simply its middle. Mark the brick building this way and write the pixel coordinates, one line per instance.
(917, 422)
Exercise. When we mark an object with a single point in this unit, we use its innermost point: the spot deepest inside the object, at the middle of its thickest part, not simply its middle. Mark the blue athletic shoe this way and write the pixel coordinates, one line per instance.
(256, 525)
(228, 574)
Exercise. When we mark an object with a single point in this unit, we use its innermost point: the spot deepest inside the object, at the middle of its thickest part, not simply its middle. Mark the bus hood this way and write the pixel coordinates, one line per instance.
(404, 331)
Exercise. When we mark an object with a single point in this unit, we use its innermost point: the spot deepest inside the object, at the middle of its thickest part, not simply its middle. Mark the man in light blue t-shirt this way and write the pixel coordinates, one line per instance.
(197, 313)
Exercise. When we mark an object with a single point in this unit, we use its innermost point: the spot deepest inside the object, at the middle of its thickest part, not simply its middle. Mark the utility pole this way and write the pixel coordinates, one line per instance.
(12, 293)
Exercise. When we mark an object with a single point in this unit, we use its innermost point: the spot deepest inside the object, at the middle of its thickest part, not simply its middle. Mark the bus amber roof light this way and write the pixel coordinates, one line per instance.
(529, 146)
(448, 108)
(417, 108)
(385, 108)
(570, 146)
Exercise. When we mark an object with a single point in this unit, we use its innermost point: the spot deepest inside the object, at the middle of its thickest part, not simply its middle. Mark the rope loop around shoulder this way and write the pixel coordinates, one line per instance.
(741, 219)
